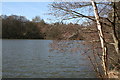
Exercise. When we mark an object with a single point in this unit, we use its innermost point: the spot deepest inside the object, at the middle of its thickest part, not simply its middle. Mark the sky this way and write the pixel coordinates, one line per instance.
(30, 10)
(27, 9)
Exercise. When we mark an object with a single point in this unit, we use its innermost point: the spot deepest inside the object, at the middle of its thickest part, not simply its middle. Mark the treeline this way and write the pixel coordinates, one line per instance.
(18, 27)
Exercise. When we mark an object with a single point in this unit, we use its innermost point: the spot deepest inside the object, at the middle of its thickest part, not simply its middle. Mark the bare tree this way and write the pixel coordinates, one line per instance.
(100, 32)
(76, 10)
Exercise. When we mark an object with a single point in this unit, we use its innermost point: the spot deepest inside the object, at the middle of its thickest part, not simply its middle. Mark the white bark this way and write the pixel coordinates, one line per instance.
(100, 32)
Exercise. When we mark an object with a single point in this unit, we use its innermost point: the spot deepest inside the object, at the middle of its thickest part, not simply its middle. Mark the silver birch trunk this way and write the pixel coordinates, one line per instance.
(100, 32)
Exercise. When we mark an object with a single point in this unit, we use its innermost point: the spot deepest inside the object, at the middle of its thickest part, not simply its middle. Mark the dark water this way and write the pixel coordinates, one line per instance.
(32, 59)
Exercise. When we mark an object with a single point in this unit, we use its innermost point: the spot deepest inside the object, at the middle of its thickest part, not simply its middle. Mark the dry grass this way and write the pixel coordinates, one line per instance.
(113, 74)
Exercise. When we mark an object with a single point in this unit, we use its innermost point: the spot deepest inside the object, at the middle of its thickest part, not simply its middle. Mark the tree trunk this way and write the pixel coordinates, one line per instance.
(114, 35)
(103, 44)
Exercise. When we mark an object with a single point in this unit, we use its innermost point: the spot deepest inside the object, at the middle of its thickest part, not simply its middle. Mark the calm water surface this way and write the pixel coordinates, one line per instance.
(32, 59)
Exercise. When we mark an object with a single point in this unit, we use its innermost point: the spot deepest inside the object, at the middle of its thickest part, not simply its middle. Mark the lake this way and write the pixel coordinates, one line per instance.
(33, 59)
